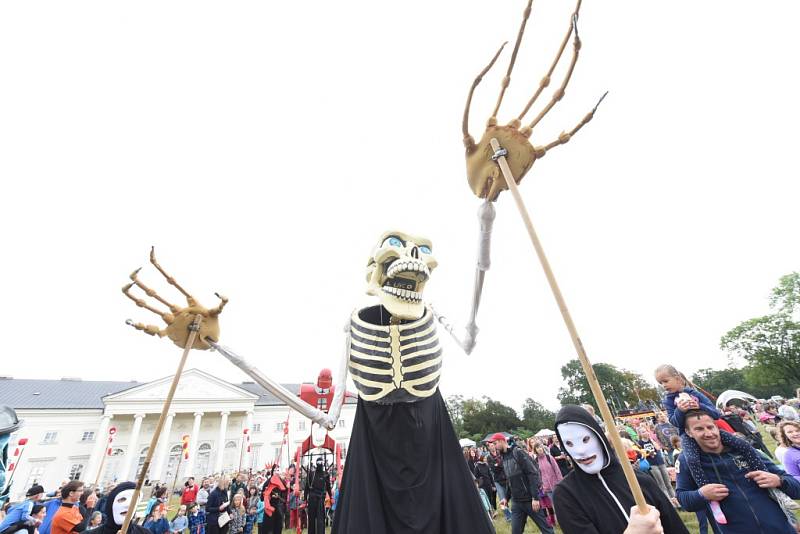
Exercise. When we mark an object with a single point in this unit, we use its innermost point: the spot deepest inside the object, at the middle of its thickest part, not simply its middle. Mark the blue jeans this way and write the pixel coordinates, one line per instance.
(520, 514)
(501, 495)
(702, 520)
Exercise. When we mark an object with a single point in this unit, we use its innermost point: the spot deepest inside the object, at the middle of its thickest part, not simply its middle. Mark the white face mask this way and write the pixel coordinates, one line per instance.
(584, 446)
(120, 507)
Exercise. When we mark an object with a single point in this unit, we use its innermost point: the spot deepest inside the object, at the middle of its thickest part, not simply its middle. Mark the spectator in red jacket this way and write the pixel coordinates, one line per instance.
(189, 494)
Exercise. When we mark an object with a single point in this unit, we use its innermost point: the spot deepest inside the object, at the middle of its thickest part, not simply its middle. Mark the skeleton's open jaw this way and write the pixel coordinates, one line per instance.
(406, 295)
(405, 279)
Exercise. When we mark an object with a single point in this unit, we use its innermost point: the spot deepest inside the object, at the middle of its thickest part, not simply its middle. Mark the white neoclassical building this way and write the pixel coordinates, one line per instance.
(68, 421)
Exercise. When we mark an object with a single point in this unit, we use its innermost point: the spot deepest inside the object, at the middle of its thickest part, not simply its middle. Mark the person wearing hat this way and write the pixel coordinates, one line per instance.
(524, 484)
(21, 515)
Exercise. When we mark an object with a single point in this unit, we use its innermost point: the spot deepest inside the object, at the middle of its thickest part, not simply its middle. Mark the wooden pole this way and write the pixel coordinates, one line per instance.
(594, 384)
(194, 328)
(100, 469)
(177, 472)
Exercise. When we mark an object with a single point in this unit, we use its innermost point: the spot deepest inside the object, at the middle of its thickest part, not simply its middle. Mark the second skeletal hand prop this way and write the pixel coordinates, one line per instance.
(178, 319)
(482, 172)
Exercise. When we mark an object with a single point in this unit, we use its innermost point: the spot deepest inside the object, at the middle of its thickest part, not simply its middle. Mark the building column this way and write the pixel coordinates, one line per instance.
(163, 449)
(133, 449)
(100, 447)
(223, 426)
(189, 471)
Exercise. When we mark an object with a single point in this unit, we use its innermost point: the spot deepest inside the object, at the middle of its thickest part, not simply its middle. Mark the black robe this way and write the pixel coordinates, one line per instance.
(405, 474)
(582, 503)
(109, 526)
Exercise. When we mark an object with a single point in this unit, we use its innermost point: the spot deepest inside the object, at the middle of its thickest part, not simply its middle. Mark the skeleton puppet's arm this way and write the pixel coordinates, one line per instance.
(327, 420)
(467, 342)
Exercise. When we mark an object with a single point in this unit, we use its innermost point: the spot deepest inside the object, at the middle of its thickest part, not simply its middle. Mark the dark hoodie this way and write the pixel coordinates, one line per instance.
(594, 504)
(109, 526)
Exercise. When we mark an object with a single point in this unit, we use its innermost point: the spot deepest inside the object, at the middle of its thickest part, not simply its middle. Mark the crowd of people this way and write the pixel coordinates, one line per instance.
(691, 455)
(688, 431)
(264, 502)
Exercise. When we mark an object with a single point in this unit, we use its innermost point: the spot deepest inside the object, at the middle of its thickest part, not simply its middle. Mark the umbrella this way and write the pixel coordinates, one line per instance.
(726, 396)
(543, 433)
(466, 442)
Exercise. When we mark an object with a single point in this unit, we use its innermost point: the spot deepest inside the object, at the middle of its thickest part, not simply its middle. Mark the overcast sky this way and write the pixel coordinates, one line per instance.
(263, 147)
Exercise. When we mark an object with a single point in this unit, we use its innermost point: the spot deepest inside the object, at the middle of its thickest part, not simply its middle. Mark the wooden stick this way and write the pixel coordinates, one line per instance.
(594, 384)
(194, 329)
(177, 472)
(100, 469)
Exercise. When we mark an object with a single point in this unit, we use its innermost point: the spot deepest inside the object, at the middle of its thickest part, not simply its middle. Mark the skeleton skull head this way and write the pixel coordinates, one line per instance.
(397, 272)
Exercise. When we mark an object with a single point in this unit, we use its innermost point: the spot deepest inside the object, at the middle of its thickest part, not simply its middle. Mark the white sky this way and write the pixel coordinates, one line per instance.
(262, 147)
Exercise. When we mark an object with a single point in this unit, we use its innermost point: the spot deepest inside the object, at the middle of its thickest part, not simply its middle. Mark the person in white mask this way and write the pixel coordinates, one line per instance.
(594, 498)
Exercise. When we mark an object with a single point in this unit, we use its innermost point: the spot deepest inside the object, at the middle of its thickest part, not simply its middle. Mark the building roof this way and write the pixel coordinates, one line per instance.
(58, 394)
(66, 394)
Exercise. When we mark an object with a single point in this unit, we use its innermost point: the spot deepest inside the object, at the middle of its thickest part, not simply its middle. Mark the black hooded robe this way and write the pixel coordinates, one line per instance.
(405, 473)
(109, 526)
(590, 504)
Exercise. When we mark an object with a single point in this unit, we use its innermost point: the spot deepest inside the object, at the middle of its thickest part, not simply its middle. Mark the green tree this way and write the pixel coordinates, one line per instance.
(622, 388)
(455, 407)
(771, 344)
(536, 417)
(481, 417)
(718, 380)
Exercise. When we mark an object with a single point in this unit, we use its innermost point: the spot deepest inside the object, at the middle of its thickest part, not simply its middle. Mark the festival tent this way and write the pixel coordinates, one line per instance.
(726, 396)
(466, 442)
(543, 433)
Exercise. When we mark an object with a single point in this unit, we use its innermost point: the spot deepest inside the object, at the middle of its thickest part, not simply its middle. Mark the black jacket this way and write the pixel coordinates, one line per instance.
(496, 463)
(483, 474)
(600, 504)
(523, 476)
(215, 499)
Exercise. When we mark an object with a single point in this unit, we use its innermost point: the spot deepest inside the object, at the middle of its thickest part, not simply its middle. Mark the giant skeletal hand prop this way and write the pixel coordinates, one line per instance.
(177, 319)
(483, 173)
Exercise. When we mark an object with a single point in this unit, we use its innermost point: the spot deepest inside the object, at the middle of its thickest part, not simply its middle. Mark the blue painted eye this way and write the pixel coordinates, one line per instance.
(425, 249)
(394, 241)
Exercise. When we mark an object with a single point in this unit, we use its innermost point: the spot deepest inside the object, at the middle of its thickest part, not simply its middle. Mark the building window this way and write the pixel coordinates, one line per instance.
(257, 427)
(87, 436)
(202, 463)
(255, 455)
(36, 475)
(75, 471)
(231, 456)
(49, 437)
(142, 456)
(174, 460)
(112, 467)
(301, 425)
(279, 426)
(342, 423)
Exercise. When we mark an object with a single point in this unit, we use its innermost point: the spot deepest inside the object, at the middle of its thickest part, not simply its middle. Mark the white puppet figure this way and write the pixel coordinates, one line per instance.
(595, 496)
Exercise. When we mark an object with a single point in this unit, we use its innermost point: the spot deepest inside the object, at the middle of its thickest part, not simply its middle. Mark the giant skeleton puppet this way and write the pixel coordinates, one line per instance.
(404, 472)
